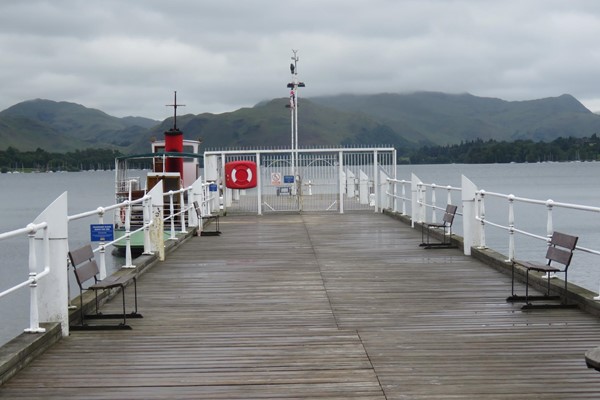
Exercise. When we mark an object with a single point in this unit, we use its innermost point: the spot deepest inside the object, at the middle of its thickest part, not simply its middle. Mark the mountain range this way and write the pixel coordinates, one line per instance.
(406, 121)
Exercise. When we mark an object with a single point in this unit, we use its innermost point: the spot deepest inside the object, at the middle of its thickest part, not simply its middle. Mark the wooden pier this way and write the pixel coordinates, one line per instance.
(321, 306)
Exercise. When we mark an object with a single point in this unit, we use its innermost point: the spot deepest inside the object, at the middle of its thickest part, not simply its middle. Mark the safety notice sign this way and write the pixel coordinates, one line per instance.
(275, 178)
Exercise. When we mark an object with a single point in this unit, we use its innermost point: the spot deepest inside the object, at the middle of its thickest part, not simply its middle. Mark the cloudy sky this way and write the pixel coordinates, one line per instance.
(126, 57)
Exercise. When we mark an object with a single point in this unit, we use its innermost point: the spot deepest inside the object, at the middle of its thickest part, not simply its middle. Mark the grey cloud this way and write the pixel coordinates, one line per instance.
(126, 57)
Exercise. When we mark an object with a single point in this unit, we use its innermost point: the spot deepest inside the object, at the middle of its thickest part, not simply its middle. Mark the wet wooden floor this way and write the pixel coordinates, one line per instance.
(322, 306)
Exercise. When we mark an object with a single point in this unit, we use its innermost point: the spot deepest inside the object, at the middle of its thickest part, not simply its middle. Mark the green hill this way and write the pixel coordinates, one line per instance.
(405, 121)
(63, 126)
(441, 119)
(268, 125)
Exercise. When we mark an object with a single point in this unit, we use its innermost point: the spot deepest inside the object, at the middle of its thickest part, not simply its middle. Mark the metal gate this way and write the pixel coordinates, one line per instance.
(334, 180)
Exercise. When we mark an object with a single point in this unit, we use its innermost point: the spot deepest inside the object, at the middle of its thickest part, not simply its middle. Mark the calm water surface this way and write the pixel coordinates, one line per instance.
(24, 196)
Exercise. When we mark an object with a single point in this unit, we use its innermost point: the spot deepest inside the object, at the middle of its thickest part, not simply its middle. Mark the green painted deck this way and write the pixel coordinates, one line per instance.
(321, 306)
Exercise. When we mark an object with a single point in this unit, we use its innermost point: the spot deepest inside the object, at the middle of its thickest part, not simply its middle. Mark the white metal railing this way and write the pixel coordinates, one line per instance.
(392, 194)
(34, 275)
(47, 253)
(423, 197)
(511, 229)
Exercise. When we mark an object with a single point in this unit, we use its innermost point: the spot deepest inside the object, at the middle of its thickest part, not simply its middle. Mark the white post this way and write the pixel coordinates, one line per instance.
(102, 251)
(34, 318)
(157, 229)
(259, 184)
(226, 191)
(549, 224)
(403, 197)
(511, 228)
(383, 180)
(147, 210)
(415, 207)
(128, 258)
(421, 199)
(434, 204)
(52, 289)
(182, 211)
(171, 212)
(342, 180)
(470, 223)
(549, 232)
(395, 177)
(191, 220)
(481, 203)
(376, 179)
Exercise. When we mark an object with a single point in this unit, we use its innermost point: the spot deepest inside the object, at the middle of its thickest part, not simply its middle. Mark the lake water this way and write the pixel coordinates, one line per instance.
(24, 196)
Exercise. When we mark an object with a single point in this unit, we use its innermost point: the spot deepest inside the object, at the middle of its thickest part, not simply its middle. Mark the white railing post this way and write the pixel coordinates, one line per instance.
(147, 213)
(171, 216)
(403, 198)
(470, 223)
(433, 204)
(102, 267)
(340, 183)
(157, 237)
(422, 198)
(481, 213)
(393, 191)
(182, 211)
(259, 184)
(52, 246)
(376, 179)
(549, 224)
(191, 209)
(128, 257)
(511, 228)
(34, 315)
(414, 199)
(449, 199)
(549, 231)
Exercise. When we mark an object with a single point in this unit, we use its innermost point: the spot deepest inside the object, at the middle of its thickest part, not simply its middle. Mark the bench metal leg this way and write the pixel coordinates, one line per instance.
(446, 242)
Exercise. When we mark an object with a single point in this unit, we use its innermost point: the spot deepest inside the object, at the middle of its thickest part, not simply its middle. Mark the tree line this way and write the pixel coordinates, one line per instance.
(470, 152)
(40, 160)
(520, 151)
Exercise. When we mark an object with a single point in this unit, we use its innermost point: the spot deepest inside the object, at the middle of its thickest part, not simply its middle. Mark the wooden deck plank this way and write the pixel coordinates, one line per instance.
(322, 306)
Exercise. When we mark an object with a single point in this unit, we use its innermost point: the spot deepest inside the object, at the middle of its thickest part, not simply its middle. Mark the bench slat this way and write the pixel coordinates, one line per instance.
(81, 254)
(86, 271)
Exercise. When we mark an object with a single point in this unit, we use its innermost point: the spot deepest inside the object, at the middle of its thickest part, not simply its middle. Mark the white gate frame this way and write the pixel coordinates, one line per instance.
(214, 170)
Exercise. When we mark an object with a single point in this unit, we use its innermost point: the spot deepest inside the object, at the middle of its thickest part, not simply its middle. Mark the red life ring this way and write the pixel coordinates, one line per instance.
(240, 175)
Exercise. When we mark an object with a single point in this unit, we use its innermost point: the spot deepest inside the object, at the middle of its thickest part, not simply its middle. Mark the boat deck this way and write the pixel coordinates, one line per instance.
(321, 306)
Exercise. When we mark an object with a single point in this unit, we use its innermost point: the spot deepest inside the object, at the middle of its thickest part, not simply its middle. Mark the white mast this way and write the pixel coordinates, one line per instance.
(294, 85)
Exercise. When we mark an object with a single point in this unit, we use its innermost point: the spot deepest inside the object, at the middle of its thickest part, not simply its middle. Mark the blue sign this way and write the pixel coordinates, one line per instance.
(212, 187)
(288, 179)
(102, 233)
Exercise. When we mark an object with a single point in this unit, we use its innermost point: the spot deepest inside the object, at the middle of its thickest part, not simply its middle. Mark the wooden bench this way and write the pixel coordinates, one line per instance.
(201, 217)
(445, 226)
(85, 269)
(560, 251)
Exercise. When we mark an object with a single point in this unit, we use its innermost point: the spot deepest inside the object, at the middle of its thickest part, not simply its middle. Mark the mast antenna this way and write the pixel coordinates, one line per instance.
(175, 105)
(295, 59)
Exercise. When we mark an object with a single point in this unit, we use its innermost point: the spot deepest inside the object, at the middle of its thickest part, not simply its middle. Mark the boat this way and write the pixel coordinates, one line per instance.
(174, 160)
